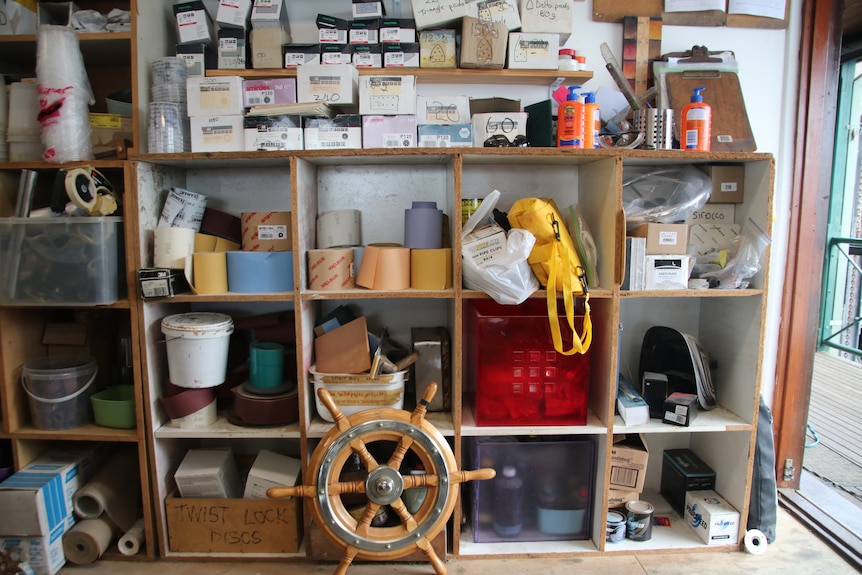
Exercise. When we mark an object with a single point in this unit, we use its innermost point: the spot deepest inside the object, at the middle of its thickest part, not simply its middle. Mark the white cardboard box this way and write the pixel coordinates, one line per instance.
(553, 17)
(500, 11)
(442, 110)
(509, 124)
(484, 244)
(273, 133)
(217, 133)
(268, 91)
(343, 132)
(387, 95)
(712, 517)
(270, 14)
(666, 272)
(445, 136)
(43, 555)
(208, 473)
(215, 96)
(271, 469)
(434, 14)
(234, 13)
(534, 51)
(388, 131)
(193, 23)
(331, 83)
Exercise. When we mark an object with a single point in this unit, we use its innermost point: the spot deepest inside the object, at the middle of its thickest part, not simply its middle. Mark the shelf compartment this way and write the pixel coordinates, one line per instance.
(469, 549)
(718, 419)
(594, 426)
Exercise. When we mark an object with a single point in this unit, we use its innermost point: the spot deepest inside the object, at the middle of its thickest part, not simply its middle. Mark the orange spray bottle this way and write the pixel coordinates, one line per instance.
(570, 121)
(696, 123)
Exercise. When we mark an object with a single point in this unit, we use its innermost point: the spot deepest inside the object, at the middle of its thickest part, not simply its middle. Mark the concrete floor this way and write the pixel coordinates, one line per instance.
(796, 551)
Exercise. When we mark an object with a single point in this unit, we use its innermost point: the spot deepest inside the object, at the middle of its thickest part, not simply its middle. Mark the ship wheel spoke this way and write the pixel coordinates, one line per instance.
(425, 546)
(346, 560)
(404, 515)
(368, 515)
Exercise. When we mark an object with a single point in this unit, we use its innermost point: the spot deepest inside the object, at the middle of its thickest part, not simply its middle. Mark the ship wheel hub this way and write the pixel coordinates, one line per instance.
(384, 485)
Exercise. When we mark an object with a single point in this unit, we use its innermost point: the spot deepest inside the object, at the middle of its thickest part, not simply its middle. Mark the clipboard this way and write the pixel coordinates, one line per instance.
(731, 130)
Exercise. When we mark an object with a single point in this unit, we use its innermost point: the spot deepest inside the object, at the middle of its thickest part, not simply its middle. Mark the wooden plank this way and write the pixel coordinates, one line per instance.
(616, 10)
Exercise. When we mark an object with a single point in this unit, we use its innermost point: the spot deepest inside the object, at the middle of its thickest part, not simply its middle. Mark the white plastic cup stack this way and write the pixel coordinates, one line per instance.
(22, 128)
(169, 130)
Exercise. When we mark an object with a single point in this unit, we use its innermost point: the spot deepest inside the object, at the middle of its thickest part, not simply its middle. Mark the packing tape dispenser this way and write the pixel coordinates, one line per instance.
(87, 189)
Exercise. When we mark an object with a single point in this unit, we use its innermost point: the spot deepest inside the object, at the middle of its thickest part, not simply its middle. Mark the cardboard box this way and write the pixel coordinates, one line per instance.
(271, 469)
(208, 473)
(400, 54)
(217, 133)
(629, 458)
(266, 47)
(38, 498)
(345, 349)
(508, 124)
(335, 54)
(332, 83)
(630, 405)
(397, 30)
(483, 44)
(42, 555)
(368, 9)
(500, 11)
(448, 136)
(666, 272)
(249, 526)
(387, 95)
(162, 282)
(683, 471)
(57, 13)
(232, 49)
(331, 30)
(533, 51)
(727, 183)
(366, 55)
(270, 14)
(234, 13)
(216, 96)
(269, 133)
(713, 214)
(680, 409)
(343, 132)
(438, 14)
(552, 17)
(707, 237)
(194, 25)
(712, 517)
(389, 131)
(365, 31)
(268, 91)
(106, 129)
(266, 231)
(300, 54)
(619, 498)
(199, 58)
(663, 239)
(437, 49)
(443, 110)
(484, 244)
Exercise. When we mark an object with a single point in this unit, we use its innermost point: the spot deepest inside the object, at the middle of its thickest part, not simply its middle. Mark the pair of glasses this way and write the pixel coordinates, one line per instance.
(501, 141)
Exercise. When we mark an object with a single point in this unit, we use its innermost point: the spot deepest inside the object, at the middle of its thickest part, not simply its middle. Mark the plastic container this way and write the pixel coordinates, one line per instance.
(592, 121)
(115, 407)
(567, 59)
(60, 261)
(120, 102)
(59, 390)
(197, 345)
(570, 121)
(353, 393)
(696, 123)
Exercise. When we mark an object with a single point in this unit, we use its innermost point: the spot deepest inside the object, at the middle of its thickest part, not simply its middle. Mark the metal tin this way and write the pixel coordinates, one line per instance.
(639, 521)
(657, 127)
(616, 527)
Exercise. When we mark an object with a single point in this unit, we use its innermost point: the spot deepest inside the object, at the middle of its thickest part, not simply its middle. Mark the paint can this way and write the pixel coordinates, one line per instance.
(639, 520)
(616, 527)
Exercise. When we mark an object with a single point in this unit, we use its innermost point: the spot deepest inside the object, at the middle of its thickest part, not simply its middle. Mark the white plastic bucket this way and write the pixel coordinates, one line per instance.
(197, 345)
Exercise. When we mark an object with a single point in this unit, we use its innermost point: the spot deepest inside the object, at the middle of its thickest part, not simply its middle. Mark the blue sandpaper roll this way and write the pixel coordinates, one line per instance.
(259, 272)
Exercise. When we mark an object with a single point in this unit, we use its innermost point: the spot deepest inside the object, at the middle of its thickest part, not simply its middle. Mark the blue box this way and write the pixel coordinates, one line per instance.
(445, 136)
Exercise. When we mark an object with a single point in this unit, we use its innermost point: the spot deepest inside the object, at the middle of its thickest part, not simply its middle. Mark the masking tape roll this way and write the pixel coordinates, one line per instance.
(755, 542)
(80, 189)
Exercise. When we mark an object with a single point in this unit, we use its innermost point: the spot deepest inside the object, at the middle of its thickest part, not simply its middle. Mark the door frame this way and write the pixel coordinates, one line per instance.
(819, 57)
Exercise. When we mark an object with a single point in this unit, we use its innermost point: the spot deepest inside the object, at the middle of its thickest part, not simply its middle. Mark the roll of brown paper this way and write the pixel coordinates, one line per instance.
(87, 541)
(431, 269)
(331, 269)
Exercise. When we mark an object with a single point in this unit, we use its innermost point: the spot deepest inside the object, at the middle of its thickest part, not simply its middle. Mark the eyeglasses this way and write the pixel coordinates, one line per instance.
(501, 141)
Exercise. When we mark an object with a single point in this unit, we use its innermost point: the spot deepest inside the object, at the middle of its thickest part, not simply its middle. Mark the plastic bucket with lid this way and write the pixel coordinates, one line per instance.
(59, 388)
(197, 345)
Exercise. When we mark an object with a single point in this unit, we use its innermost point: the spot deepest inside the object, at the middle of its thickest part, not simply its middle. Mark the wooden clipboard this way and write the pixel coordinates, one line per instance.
(731, 130)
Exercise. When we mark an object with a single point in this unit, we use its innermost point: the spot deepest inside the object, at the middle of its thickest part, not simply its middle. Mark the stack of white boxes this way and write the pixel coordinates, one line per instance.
(216, 113)
(388, 108)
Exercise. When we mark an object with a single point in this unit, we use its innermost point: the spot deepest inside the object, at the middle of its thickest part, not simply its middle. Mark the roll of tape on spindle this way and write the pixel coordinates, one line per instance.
(755, 542)
(171, 246)
(339, 228)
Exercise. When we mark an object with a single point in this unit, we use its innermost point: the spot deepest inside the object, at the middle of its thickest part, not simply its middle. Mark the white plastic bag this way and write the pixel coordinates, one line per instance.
(508, 278)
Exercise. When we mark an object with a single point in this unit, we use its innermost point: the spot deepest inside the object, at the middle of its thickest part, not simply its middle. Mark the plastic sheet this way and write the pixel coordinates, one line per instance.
(664, 195)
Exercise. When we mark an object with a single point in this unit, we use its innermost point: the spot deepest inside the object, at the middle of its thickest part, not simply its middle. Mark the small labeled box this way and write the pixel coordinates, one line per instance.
(549, 17)
(400, 54)
(434, 15)
(727, 183)
(270, 14)
(683, 471)
(199, 58)
(232, 49)
(513, 375)
(714, 519)
(485, 243)
(364, 31)
(220, 95)
(267, 48)
(538, 493)
(268, 91)
(217, 133)
(437, 49)
(387, 95)
(300, 55)
(331, 30)
(500, 11)
(331, 83)
(666, 272)
(273, 133)
(534, 51)
(366, 9)
(366, 55)
(483, 44)
(629, 459)
(234, 13)
(205, 473)
(445, 136)
(663, 239)
(508, 124)
(194, 25)
(680, 409)
(335, 54)
(162, 282)
(343, 132)
(388, 131)
(397, 30)
(442, 110)
(271, 469)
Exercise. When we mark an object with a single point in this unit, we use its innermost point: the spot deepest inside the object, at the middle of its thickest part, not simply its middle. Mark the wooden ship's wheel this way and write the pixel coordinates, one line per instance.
(383, 483)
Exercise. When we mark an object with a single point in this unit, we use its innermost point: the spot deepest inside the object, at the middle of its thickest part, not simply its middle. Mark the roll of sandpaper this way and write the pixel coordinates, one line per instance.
(210, 273)
(221, 224)
(172, 246)
(113, 493)
(331, 269)
(259, 272)
(204, 417)
(209, 243)
(431, 269)
(339, 228)
(87, 540)
(256, 410)
(187, 401)
(385, 267)
(423, 226)
(183, 209)
(131, 541)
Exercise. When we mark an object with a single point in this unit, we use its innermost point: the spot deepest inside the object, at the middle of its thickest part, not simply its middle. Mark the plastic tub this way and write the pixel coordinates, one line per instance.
(115, 407)
(353, 393)
(59, 389)
(197, 345)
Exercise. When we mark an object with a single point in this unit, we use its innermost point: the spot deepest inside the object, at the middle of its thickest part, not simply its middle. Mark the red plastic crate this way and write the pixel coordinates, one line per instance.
(513, 373)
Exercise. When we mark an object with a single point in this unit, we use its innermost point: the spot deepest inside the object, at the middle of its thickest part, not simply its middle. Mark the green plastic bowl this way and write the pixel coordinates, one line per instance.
(115, 407)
